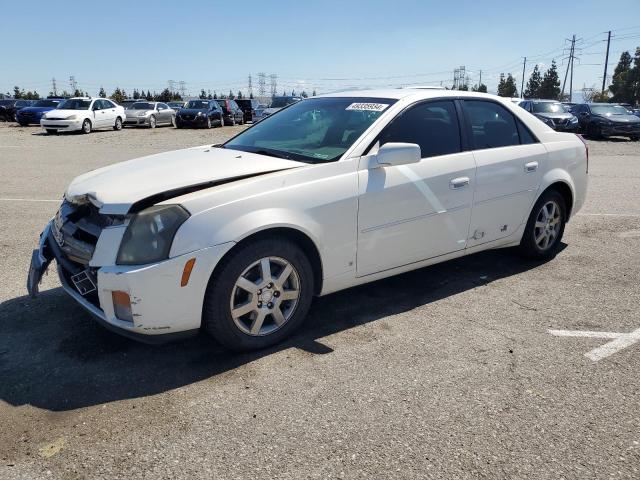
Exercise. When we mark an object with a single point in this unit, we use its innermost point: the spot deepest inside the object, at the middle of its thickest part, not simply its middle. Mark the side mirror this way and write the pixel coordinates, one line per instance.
(391, 154)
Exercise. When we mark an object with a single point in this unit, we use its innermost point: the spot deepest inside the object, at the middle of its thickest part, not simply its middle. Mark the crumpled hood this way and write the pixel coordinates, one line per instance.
(117, 187)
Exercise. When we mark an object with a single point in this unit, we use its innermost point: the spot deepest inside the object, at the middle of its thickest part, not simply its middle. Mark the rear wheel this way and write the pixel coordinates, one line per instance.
(545, 227)
(86, 126)
(118, 125)
(152, 121)
(259, 296)
(208, 122)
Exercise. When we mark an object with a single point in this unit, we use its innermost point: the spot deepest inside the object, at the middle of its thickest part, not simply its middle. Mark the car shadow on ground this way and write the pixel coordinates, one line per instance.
(54, 356)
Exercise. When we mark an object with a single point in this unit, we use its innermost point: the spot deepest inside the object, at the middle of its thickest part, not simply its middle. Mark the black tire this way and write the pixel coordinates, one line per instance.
(86, 126)
(594, 131)
(208, 124)
(634, 138)
(22, 124)
(173, 121)
(221, 122)
(152, 121)
(118, 125)
(233, 121)
(216, 316)
(528, 245)
(51, 131)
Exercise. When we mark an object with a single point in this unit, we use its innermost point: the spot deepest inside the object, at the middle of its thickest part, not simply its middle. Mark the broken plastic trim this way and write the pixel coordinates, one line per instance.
(177, 192)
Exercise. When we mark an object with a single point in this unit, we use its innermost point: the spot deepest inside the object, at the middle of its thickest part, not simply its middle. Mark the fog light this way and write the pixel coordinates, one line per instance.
(122, 305)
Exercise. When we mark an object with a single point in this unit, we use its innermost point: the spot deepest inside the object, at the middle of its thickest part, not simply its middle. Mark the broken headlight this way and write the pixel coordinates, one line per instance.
(149, 235)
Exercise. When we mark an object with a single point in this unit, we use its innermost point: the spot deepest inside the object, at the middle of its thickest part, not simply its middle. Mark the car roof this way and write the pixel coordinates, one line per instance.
(414, 94)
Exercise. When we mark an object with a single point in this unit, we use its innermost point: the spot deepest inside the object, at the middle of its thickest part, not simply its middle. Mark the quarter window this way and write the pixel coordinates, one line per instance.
(432, 125)
(491, 125)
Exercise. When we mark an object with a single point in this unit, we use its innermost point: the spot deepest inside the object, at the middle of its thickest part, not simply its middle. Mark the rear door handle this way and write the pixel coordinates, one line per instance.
(459, 182)
(531, 167)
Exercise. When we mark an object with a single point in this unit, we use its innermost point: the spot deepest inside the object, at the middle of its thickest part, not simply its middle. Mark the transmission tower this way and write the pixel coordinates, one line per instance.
(262, 80)
(182, 88)
(172, 85)
(459, 77)
(274, 84)
(54, 87)
(73, 84)
(250, 86)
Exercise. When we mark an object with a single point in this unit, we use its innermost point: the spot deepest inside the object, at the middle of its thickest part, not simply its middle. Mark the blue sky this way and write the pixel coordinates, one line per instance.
(327, 46)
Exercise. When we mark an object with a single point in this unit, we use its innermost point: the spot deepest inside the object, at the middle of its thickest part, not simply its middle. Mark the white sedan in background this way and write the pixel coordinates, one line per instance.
(83, 114)
(328, 193)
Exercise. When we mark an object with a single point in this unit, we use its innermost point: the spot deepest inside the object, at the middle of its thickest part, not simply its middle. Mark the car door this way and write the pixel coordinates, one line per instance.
(163, 116)
(98, 114)
(509, 161)
(110, 113)
(409, 213)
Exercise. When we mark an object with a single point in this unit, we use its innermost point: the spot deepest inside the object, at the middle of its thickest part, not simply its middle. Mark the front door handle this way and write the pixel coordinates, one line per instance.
(531, 167)
(459, 182)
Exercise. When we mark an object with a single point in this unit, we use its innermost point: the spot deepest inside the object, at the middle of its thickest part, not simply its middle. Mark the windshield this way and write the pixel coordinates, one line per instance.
(6, 102)
(314, 130)
(75, 104)
(141, 106)
(175, 104)
(281, 102)
(609, 110)
(197, 104)
(548, 107)
(46, 103)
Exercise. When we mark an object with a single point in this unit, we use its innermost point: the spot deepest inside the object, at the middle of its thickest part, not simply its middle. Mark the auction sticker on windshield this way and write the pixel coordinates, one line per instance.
(369, 107)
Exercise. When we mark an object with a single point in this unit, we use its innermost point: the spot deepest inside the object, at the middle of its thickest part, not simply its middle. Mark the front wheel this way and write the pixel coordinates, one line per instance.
(51, 131)
(545, 227)
(118, 125)
(259, 296)
(208, 125)
(594, 131)
(152, 122)
(86, 126)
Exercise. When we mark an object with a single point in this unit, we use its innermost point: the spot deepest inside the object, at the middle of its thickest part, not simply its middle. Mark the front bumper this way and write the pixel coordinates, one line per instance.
(61, 125)
(162, 309)
(621, 130)
(28, 119)
(567, 127)
(136, 121)
(197, 121)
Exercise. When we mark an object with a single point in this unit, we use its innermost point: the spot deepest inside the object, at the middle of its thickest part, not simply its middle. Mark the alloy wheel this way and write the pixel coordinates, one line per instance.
(265, 296)
(547, 226)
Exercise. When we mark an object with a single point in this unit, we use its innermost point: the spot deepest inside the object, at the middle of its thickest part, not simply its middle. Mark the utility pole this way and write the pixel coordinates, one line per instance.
(573, 44)
(250, 86)
(606, 62)
(569, 64)
(480, 82)
(524, 66)
(54, 89)
(262, 84)
(274, 84)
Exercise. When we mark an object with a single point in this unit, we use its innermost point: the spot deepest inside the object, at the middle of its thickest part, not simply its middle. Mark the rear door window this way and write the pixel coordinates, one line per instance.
(491, 125)
(432, 125)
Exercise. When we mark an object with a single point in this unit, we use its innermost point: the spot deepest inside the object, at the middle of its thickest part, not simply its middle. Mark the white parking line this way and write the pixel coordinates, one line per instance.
(635, 215)
(620, 341)
(27, 200)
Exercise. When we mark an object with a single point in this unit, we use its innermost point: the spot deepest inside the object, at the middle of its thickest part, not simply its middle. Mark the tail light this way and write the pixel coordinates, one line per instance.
(586, 148)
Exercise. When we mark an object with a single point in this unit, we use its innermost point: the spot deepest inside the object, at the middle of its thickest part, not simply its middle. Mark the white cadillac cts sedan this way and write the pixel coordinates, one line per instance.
(328, 193)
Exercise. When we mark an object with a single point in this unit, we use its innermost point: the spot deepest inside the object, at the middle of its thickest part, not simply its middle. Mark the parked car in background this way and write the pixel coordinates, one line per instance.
(9, 108)
(553, 113)
(253, 110)
(231, 112)
(332, 192)
(32, 115)
(278, 103)
(602, 120)
(569, 106)
(130, 101)
(83, 114)
(149, 114)
(176, 105)
(200, 113)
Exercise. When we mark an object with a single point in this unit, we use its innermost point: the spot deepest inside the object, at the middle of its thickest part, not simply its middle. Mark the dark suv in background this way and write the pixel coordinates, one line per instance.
(9, 108)
(231, 111)
(601, 120)
(252, 109)
(199, 113)
(553, 113)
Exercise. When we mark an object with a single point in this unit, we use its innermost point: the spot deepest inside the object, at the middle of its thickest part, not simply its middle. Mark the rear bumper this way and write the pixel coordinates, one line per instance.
(162, 309)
